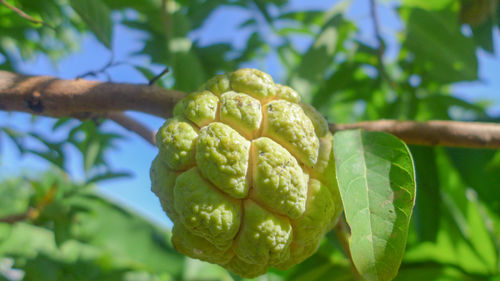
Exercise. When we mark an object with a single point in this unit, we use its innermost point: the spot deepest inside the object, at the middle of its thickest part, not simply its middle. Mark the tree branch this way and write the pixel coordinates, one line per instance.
(23, 14)
(132, 125)
(434, 133)
(49, 96)
(17, 217)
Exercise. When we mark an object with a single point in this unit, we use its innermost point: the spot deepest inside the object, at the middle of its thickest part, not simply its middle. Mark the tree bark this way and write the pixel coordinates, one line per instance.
(435, 132)
(49, 96)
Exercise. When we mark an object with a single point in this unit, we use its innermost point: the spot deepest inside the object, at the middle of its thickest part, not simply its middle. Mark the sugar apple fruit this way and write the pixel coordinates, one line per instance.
(246, 173)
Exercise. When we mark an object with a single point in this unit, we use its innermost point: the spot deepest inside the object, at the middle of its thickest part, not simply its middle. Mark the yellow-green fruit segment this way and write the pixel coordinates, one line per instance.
(246, 173)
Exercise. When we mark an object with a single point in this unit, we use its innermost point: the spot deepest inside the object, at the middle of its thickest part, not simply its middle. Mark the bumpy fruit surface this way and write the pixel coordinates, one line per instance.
(246, 173)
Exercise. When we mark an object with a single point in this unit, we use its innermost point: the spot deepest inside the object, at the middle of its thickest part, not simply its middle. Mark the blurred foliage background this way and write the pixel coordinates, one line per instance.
(56, 228)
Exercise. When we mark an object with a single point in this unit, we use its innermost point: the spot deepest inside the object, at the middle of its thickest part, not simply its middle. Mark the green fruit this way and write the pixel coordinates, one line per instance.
(246, 173)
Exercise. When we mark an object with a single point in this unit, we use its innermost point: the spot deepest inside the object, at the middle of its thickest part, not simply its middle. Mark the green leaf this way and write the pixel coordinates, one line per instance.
(429, 5)
(130, 239)
(108, 176)
(60, 122)
(479, 169)
(187, 71)
(377, 183)
(483, 34)
(463, 238)
(91, 152)
(311, 70)
(62, 230)
(304, 17)
(437, 106)
(435, 273)
(16, 137)
(146, 72)
(199, 270)
(428, 202)
(97, 16)
(14, 196)
(441, 52)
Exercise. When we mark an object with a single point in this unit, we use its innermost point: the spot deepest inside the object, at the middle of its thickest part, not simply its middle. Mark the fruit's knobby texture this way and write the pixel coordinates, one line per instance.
(246, 173)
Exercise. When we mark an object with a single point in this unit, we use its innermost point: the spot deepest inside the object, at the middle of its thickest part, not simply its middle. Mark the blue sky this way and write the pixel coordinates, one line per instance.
(134, 154)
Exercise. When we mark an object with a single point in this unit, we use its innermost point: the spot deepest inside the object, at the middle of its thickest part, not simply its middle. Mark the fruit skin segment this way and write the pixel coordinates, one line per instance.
(278, 181)
(246, 173)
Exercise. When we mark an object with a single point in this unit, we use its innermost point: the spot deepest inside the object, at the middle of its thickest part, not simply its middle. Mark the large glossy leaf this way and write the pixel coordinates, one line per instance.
(98, 18)
(377, 183)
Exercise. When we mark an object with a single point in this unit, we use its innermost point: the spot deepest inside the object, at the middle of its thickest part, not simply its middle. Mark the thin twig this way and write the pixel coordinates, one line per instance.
(111, 63)
(33, 212)
(381, 45)
(154, 79)
(133, 126)
(23, 14)
(17, 217)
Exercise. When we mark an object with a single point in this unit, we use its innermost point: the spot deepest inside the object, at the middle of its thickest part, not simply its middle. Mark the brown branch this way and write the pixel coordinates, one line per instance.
(434, 133)
(23, 14)
(49, 96)
(14, 218)
(31, 213)
(132, 125)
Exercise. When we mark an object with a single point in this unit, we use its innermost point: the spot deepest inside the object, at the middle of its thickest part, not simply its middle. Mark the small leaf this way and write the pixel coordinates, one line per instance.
(98, 18)
(146, 72)
(108, 176)
(60, 122)
(91, 153)
(377, 183)
(304, 17)
(16, 137)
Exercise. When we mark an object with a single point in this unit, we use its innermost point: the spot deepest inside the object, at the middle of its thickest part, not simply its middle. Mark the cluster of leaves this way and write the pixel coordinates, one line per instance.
(455, 229)
(87, 138)
(67, 231)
